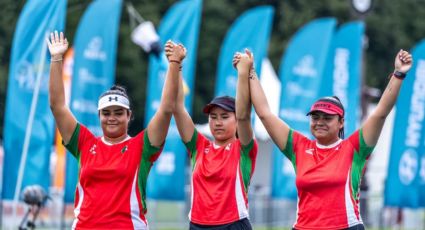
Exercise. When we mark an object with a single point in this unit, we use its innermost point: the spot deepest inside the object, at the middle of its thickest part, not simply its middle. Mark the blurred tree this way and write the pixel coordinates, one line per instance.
(390, 25)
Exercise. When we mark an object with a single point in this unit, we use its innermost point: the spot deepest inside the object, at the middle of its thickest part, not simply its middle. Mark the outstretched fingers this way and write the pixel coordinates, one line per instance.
(56, 36)
(61, 37)
(52, 38)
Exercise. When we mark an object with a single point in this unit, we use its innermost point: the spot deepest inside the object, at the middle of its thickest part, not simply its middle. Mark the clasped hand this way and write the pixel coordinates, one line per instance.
(174, 52)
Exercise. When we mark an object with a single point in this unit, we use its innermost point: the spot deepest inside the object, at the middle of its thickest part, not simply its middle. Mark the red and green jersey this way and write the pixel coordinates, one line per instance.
(327, 180)
(220, 180)
(111, 189)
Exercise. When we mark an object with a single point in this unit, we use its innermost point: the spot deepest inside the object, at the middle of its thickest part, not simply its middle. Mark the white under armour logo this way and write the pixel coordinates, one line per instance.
(309, 151)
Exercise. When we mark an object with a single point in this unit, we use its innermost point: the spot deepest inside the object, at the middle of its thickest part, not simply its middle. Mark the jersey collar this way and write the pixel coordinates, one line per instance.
(109, 143)
(328, 146)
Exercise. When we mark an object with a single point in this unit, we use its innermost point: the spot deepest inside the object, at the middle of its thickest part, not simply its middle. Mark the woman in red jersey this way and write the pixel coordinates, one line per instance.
(329, 168)
(113, 169)
(222, 167)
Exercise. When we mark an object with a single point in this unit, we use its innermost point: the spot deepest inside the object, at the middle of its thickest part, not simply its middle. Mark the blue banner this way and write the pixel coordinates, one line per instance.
(29, 72)
(95, 46)
(343, 73)
(180, 24)
(405, 183)
(301, 72)
(250, 30)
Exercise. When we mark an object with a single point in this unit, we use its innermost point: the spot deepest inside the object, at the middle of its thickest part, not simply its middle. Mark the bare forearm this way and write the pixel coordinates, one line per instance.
(258, 98)
(389, 98)
(243, 102)
(183, 120)
(170, 90)
(56, 87)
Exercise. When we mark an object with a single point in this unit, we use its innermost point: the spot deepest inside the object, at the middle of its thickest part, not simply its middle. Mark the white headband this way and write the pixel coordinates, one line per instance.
(113, 99)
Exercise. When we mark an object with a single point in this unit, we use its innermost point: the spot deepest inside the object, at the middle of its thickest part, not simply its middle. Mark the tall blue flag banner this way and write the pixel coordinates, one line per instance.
(301, 73)
(95, 46)
(343, 73)
(29, 72)
(405, 184)
(250, 30)
(180, 24)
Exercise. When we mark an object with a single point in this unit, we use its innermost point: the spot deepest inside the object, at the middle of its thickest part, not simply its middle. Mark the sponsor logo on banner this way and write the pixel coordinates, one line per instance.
(305, 67)
(84, 106)
(341, 74)
(87, 77)
(293, 114)
(94, 50)
(422, 170)
(294, 90)
(409, 161)
(26, 77)
(417, 108)
(408, 166)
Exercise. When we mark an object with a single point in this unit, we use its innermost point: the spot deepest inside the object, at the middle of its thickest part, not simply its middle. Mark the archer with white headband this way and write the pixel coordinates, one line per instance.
(113, 169)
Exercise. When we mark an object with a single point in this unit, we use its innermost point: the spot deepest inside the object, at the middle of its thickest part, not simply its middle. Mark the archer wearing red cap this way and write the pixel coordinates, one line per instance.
(329, 168)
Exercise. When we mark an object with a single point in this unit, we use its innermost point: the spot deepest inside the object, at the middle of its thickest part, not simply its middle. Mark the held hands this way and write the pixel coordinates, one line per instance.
(175, 53)
(243, 61)
(403, 61)
(58, 45)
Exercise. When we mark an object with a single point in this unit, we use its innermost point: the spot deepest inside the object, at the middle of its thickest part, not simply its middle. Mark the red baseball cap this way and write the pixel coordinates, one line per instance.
(330, 105)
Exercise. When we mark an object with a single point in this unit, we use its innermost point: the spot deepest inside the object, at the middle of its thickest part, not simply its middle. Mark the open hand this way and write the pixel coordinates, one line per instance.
(403, 61)
(57, 44)
(175, 52)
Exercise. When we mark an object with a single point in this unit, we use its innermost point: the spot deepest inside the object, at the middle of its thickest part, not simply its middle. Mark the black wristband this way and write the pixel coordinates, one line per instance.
(399, 75)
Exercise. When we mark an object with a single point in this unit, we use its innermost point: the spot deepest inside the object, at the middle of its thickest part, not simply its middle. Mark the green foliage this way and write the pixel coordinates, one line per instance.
(391, 25)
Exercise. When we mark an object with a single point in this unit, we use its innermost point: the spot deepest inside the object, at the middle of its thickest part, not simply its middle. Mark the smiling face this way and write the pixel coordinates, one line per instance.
(325, 127)
(114, 121)
(222, 125)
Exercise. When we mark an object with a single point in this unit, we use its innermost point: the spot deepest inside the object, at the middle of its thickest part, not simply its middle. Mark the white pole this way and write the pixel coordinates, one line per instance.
(29, 129)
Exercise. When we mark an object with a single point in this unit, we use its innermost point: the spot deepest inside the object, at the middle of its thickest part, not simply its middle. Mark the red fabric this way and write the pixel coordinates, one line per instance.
(327, 107)
(214, 192)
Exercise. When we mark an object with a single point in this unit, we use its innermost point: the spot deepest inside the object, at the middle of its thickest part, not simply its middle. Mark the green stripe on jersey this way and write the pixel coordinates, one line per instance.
(246, 164)
(289, 150)
(72, 146)
(191, 146)
(145, 166)
(357, 166)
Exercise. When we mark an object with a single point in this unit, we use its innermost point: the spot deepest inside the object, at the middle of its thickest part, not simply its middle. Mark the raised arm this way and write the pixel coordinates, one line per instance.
(243, 102)
(65, 121)
(276, 128)
(374, 123)
(158, 126)
(184, 122)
